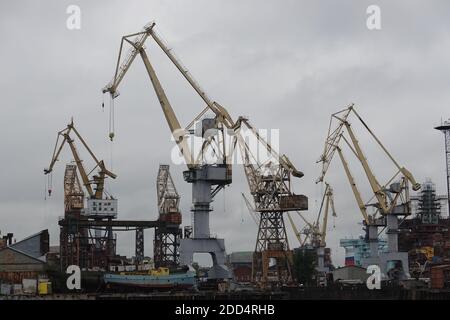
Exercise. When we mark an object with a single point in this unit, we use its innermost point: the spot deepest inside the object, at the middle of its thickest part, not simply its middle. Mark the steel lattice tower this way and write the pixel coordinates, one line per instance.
(445, 128)
(73, 246)
(139, 250)
(273, 198)
(272, 243)
(167, 236)
(166, 244)
(78, 244)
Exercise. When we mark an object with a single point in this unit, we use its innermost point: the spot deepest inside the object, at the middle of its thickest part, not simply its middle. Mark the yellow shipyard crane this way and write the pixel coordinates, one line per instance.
(207, 178)
(389, 200)
(218, 174)
(64, 136)
(77, 245)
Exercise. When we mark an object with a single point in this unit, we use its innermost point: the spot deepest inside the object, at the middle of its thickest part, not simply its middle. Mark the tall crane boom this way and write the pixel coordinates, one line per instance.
(137, 48)
(172, 120)
(361, 205)
(168, 234)
(98, 180)
(122, 68)
(206, 177)
(178, 132)
(271, 191)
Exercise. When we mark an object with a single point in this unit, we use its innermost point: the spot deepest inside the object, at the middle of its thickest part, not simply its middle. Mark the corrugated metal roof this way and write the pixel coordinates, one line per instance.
(35, 245)
(22, 253)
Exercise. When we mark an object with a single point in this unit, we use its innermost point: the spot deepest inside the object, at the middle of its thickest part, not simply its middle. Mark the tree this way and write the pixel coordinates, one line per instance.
(305, 266)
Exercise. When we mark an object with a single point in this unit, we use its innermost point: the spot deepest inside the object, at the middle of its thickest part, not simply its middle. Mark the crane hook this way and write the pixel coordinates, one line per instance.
(49, 184)
(111, 119)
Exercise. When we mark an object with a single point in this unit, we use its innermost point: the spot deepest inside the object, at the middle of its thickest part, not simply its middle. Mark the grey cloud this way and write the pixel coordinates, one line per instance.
(285, 64)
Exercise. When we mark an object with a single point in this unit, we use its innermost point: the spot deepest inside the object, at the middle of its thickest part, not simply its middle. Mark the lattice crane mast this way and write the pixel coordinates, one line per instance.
(168, 198)
(168, 234)
(269, 180)
(179, 133)
(222, 122)
(77, 244)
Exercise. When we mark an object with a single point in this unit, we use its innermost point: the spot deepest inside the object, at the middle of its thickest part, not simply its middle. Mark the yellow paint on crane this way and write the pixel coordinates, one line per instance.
(44, 288)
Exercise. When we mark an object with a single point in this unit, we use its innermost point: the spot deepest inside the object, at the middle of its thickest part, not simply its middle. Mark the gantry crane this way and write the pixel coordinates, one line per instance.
(314, 233)
(77, 244)
(203, 175)
(391, 199)
(207, 178)
(269, 180)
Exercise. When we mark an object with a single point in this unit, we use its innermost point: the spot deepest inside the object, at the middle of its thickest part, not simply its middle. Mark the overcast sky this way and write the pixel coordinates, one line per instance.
(285, 64)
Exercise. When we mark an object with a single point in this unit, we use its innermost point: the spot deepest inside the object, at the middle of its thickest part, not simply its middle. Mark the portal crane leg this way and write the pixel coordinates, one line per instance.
(202, 180)
(139, 245)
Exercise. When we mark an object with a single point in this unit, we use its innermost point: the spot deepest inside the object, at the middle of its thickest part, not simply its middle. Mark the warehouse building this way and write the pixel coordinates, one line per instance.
(241, 265)
(353, 274)
(25, 259)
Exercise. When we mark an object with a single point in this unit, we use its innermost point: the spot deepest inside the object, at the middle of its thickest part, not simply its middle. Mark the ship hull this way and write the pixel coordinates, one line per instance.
(182, 281)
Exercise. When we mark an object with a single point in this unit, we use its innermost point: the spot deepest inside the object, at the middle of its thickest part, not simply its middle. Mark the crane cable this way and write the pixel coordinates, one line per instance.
(45, 188)
(224, 201)
(48, 185)
(111, 126)
(111, 118)
(111, 129)
(111, 156)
